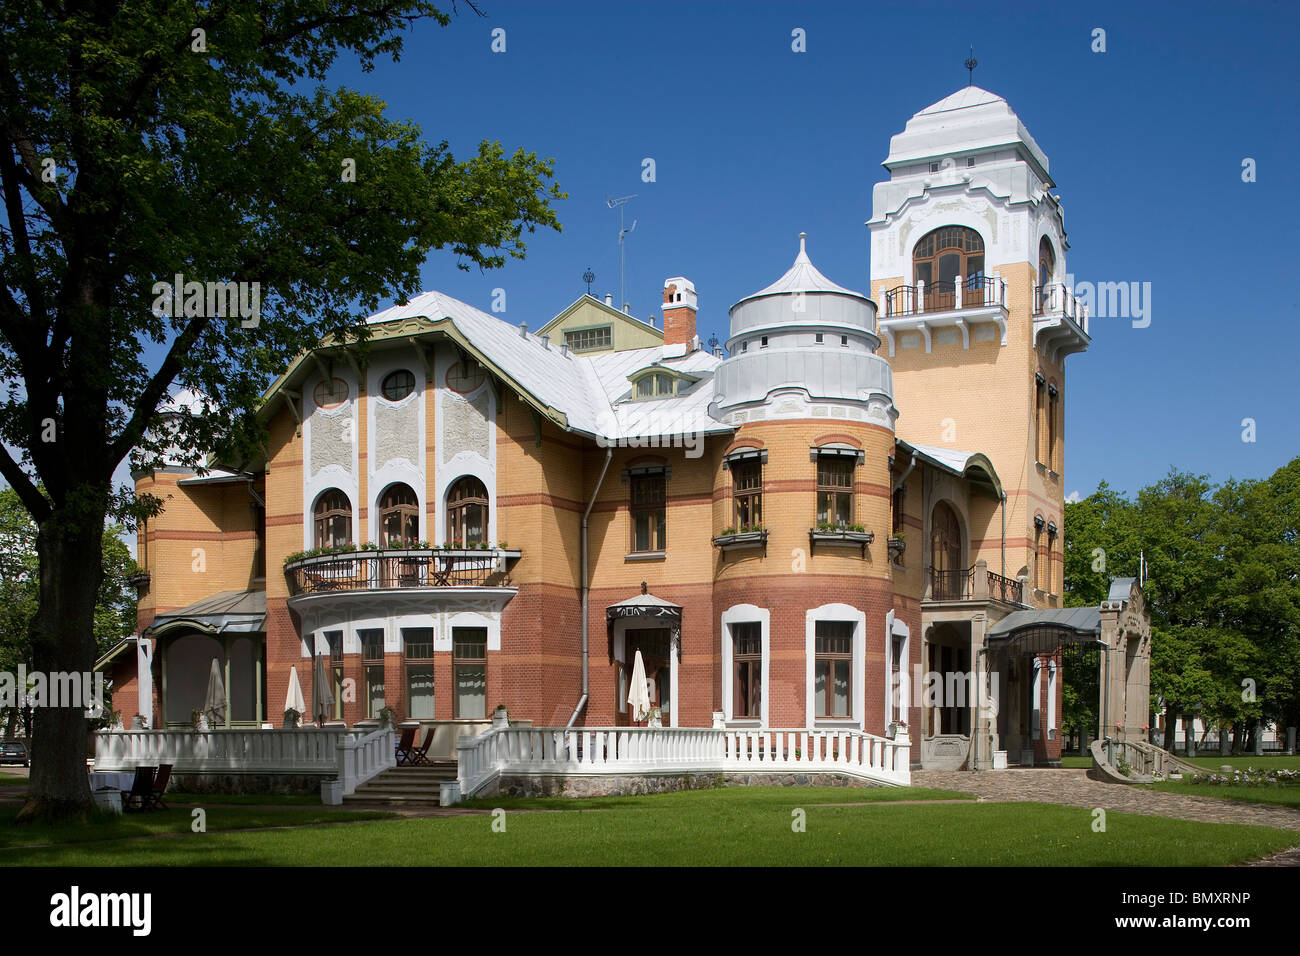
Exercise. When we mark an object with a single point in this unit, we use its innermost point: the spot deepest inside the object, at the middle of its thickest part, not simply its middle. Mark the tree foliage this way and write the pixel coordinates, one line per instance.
(145, 140)
(1222, 583)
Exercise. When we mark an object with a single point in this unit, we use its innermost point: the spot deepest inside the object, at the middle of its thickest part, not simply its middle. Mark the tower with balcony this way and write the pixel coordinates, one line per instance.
(968, 250)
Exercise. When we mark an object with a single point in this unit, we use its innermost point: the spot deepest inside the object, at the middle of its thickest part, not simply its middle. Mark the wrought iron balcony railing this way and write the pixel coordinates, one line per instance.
(404, 568)
(964, 585)
(975, 292)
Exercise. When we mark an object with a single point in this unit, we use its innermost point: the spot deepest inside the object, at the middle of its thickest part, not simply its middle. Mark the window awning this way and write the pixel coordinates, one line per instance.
(653, 611)
(222, 613)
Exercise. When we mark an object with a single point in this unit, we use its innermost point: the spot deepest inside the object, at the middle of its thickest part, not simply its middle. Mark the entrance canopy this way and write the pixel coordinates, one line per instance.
(1042, 631)
(649, 610)
(224, 612)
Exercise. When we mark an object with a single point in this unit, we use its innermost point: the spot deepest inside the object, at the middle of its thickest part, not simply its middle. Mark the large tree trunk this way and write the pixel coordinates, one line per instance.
(63, 641)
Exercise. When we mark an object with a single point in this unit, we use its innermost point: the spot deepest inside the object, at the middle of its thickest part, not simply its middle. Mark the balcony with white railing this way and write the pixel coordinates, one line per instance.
(557, 751)
(957, 304)
(1060, 320)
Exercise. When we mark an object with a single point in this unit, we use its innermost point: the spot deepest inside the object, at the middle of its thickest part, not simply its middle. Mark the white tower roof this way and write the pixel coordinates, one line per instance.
(803, 276)
(970, 120)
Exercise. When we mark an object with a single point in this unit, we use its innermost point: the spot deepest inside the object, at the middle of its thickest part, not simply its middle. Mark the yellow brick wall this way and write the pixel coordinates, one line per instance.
(982, 399)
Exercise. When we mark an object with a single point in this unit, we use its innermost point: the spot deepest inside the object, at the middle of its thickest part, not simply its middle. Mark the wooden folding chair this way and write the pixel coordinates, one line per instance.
(419, 757)
(160, 787)
(406, 746)
(140, 796)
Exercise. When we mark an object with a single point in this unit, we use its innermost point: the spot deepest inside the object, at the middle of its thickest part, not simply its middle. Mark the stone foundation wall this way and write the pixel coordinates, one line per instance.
(623, 785)
(267, 783)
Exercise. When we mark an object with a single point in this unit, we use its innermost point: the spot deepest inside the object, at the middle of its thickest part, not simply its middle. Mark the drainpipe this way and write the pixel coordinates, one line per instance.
(1004, 535)
(903, 477)
(582, 701)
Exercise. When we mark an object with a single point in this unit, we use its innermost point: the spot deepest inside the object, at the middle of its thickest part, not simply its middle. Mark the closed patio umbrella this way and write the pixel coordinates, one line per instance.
(322, 691)
(294, 701)
(638, 694)
(214, 702)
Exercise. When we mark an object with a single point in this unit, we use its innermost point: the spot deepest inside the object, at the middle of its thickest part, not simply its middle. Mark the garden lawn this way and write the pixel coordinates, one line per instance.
(738, 798)
(12, 780)
(244, 799)
(177, 820)
(714, 828)
(1278, 796)
(1242, 761)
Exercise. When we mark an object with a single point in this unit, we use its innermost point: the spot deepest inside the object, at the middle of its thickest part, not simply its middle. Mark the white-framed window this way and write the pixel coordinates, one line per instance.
(835, 655)
(898, 691)
(742, 624)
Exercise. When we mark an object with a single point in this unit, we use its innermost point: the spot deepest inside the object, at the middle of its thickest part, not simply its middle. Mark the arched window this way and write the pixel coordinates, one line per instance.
(948, 571)
(467, 512)
(940, 257)
(1046, 262)
(399, 516)
(333, 514)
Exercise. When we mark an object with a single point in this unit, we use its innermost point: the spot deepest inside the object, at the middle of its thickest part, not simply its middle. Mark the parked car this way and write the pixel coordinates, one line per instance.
(13, 751)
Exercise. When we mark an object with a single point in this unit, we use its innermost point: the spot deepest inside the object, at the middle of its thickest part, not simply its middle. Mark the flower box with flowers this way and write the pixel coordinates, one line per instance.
(744, 536)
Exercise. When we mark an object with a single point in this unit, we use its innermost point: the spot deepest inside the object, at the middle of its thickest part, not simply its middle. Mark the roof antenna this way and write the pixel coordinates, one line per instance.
(589, 277)
(622, 252)
(971, 64)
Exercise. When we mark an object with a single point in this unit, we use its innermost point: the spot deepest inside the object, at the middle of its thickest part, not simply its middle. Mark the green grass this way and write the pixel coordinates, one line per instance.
(1276, 796)
(740, 798)
(733, 827)
(1076, 763)
(12, 780)
(244, 799)
(177, 820)
(1242, 761)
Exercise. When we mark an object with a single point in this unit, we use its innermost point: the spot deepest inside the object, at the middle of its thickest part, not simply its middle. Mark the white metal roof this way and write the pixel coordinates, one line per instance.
(803, 276)
(970, 119)
(592, 391)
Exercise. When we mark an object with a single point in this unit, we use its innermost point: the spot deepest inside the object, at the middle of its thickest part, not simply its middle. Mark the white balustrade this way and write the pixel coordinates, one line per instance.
(361, 758)
(306, 750)
(630, 750)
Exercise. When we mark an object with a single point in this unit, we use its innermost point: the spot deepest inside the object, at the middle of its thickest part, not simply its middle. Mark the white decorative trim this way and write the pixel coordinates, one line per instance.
(462, 463)
(736, 614)
(383, 474)
(1035, 712)
(1051, 700)
(857, 671)
(620, 654)
(896, 628)
(315, 481)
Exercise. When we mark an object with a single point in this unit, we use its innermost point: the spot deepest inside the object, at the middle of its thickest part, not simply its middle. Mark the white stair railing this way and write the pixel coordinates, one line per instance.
(361, 758)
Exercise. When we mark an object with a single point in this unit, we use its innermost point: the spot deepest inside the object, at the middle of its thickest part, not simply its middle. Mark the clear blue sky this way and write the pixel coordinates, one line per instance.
(754, 143)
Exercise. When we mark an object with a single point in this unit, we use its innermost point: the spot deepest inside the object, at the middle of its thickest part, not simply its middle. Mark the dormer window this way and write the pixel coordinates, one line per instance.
(658, 382)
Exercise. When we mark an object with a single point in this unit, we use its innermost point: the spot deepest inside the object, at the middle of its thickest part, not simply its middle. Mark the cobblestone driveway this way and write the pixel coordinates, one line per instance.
(1073, 788)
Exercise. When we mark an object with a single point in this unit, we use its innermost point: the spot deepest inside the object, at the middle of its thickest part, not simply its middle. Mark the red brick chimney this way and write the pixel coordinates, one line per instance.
(679, 311)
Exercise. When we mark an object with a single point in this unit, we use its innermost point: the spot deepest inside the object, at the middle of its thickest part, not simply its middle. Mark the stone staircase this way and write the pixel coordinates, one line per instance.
(405, 786)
